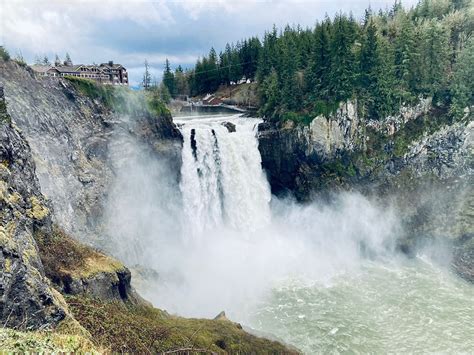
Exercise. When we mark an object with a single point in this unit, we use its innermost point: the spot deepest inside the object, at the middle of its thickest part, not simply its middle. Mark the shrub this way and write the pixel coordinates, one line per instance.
(4, 53)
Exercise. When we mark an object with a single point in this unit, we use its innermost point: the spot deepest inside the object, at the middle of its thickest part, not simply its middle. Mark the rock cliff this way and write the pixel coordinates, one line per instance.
(420, 159)
(71, 136)
(26, 298)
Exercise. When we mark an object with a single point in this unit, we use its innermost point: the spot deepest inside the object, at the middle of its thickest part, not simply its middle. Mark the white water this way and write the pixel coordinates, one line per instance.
(322, 277)
(222, 182)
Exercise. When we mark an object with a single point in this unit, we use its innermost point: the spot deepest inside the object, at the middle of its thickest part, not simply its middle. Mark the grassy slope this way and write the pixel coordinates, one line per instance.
(12, 341)
(140, 328)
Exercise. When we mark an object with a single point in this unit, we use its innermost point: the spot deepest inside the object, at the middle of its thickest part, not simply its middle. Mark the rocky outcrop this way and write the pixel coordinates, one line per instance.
(419, 159)
(30, 248)
(303, 159)
(71, 136)
(81, 270)
(26, 298)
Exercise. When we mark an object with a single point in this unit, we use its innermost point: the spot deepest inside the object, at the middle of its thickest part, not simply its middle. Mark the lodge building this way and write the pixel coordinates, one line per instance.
(105, 73)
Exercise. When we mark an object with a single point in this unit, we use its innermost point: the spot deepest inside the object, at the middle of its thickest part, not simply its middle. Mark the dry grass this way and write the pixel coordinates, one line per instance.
(64, 258)
(12, 341)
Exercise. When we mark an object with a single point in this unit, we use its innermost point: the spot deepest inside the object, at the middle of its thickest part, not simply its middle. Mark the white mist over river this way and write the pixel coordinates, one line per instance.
(323, 277)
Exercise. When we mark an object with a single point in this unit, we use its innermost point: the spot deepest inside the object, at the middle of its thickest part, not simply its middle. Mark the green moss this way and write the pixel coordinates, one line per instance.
(12, 341)
(37, 210)
(303, 118)
(90, 88)
(4, 116)
(143, 329)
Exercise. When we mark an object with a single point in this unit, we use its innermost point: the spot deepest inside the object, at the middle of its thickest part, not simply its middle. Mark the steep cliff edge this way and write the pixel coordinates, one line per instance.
(71, 135)
(421, 160)
(26, 298)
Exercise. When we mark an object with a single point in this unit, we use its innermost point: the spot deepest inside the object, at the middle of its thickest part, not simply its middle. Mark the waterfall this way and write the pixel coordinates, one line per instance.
(222, 182)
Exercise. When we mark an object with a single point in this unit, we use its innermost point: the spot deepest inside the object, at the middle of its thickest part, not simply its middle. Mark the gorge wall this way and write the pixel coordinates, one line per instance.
(71, 136)
(26, 297)
(419, 160)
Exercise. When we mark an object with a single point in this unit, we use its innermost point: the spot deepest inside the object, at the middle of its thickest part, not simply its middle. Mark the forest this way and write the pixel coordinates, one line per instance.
(383, 60)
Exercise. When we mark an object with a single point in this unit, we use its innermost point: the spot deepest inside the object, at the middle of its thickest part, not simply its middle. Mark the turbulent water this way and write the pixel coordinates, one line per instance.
(401, 307)
(222, 180)
(323, 277)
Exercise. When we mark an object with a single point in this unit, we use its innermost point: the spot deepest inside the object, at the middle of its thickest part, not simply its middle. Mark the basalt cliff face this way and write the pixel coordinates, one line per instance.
(29, 297)
(26, 297)
(419, 160)
(71, 138)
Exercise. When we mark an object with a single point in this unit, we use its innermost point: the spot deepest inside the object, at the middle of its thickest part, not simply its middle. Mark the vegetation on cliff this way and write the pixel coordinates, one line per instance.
(65, 258)
(122, 99)
(13, 341)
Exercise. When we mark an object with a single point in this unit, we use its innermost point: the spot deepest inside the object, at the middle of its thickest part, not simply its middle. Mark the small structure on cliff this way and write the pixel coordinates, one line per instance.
(105, 73)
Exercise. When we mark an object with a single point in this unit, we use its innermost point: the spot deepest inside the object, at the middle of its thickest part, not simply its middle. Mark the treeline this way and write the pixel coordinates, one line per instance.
(234, 63)
(384, 60)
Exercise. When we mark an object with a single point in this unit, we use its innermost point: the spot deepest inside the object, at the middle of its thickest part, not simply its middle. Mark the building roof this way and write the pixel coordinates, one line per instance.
(41, 68)
(112, 66)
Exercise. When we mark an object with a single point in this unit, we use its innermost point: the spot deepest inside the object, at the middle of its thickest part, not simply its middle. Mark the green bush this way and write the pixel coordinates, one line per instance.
(296, 117)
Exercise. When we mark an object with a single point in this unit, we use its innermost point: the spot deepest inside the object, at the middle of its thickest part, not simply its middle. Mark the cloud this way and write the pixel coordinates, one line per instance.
(58, 24)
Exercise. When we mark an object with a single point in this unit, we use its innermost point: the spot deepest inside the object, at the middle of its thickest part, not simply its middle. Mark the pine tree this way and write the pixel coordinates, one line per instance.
(462, 85)
(46, 61)
(146, 81)
(270, 95)
(168, 79)
(67, 60)
(318, 70)
(343, 69)
(435, 52)
(404, 59)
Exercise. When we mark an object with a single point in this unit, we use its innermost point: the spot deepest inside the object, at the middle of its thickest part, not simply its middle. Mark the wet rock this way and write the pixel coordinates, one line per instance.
(27, 300)
(71, 137)
(221, 316)
(230, 126)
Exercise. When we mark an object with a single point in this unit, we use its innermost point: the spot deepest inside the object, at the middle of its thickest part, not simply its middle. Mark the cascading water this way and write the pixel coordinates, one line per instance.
(222, 179)
(323, 277)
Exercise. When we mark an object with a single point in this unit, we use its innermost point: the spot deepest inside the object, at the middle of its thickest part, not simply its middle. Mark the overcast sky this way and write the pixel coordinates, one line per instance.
(131, 31)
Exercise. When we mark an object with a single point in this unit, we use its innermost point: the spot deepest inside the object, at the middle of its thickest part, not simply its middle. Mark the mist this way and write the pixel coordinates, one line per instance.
(192, 265)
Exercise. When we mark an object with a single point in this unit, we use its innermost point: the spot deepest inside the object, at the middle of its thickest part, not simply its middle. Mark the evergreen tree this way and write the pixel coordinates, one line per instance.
(320, 64)
(168, 79)
(435, 52)
(146, 81)
(343, 63)
(67, 60)
(404, 59)
(270, 95)
(462, 85)
(45, 61)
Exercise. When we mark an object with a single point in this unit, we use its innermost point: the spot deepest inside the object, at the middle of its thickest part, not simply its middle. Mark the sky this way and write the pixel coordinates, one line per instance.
(128, 32)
